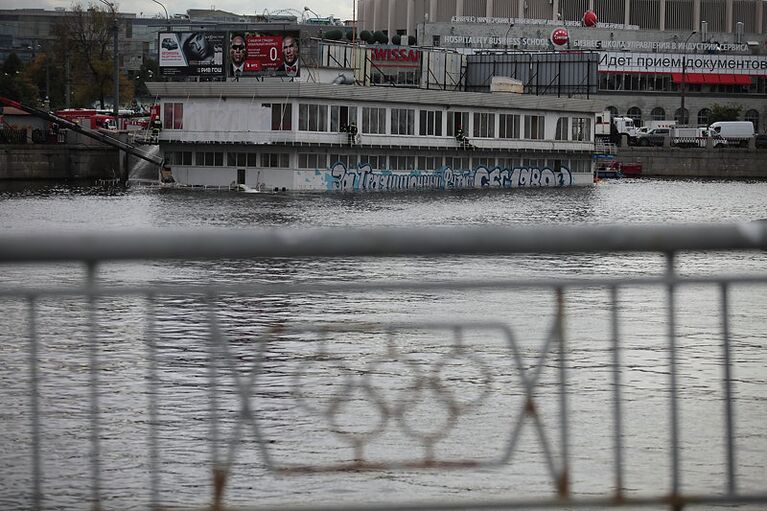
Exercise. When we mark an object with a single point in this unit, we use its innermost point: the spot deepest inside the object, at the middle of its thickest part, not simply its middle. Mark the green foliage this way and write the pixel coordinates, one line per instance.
(724, 113)
(411, 40)
(366, 36)
(334, 35)
(380, 38)
(396, 39)
(15, 83)
(349, 35)
(85, 37)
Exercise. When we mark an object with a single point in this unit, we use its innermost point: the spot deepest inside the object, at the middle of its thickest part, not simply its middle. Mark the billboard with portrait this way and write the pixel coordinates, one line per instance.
(191, 53)
(263, 54)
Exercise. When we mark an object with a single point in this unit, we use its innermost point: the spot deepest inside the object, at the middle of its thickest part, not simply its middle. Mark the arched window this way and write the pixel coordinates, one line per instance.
(636, 114)
(704, 117)
(682, 116)
(613, 111)
(753, 116)
(658, 114)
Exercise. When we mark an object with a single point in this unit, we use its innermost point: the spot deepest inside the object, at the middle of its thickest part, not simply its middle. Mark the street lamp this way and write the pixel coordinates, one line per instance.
(684, 78)
(506, 37)
(306, 8)
(116, 57)
(163, 8)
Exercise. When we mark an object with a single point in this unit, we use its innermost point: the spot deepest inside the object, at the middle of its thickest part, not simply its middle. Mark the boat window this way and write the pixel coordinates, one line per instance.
(312, 161)
(376, 161)
(534, 127)
(508, 126)
(581, 129)
(275, 160)
(402, 121)
(342, 116)
(373, 120)
(484, 125)
(312, 117)
(430, 122)
(282, 114)
(429, 162)
(457, 121)
(173, 116)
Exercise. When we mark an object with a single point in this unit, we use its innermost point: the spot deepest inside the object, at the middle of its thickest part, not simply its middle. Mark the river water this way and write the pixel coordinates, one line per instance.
(318, 397)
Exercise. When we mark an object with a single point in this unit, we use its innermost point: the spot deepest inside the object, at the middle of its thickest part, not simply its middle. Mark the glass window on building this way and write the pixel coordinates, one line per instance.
(282, 114)
(636, 114)
(430, 122)
(457, 162)
(484, 125)
(534, 127)
(456, 121)
(563, 125)
(613, 111)
(682, 116)
(373, 120)
(753, 116)
(402, 121)
(704, 117)
(658, 114)
(312, 117)
(508, 126)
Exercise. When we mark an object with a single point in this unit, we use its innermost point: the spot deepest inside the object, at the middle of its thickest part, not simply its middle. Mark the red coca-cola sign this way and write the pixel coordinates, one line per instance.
(559, 37)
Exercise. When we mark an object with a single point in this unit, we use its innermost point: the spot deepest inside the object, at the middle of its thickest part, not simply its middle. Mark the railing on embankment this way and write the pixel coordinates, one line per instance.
(253, 380)
(718, 162)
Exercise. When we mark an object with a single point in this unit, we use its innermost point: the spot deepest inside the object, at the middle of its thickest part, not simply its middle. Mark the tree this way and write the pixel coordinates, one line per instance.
(85, 38)
(14, 82)
(724, 113)
(366, 36)
(334, 35)
(396, 39)
(380, 38)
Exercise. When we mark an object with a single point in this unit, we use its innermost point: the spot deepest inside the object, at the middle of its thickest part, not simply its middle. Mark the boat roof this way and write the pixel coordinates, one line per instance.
(361, 94)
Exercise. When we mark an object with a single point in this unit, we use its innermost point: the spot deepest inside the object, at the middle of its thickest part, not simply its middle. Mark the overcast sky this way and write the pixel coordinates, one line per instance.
(338, 8)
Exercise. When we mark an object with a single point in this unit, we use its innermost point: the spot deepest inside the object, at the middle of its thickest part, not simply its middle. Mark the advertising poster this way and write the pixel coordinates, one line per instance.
(191, 53)
(263, 54)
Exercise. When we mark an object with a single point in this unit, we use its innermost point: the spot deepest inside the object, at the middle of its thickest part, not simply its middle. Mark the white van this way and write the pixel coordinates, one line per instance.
(735, 132)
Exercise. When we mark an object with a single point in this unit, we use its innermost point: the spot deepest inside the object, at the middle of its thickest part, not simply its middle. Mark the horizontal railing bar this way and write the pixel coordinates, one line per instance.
(215, 244)
(554, 503)
(160, 289)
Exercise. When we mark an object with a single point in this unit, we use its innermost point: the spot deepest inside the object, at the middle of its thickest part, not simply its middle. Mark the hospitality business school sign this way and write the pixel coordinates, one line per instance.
(229, 54)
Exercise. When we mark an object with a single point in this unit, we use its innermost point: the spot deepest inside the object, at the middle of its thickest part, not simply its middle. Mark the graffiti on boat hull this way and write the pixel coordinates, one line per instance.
(364, 178)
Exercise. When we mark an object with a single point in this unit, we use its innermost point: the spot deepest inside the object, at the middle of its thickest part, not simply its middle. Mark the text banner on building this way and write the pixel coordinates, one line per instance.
(191, 53)
(621, 62)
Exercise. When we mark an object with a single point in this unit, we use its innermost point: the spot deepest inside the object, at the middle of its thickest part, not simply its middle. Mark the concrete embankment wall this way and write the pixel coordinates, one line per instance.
(58, 161)
(703, 162)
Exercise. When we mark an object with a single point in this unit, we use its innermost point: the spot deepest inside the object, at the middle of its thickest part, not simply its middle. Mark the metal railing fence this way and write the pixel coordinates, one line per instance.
(357, 396)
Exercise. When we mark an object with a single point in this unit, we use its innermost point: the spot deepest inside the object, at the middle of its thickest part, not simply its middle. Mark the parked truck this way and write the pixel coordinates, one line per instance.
(651, 125)
(619, 130)
(733, 132)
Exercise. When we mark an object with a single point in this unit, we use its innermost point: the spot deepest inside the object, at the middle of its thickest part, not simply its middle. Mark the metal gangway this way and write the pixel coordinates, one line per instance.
(242, 381)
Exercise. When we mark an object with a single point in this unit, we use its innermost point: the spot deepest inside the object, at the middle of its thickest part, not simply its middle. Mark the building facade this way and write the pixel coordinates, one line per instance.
(403, 16)
(658, 59)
